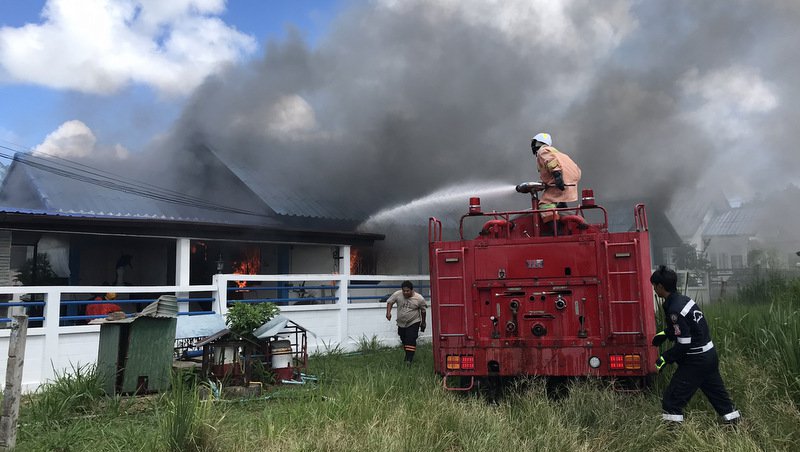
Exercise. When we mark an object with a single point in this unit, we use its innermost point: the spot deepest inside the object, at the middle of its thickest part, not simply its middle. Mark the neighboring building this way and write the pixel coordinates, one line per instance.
(730, 236)
(690, 212)
(663, 237)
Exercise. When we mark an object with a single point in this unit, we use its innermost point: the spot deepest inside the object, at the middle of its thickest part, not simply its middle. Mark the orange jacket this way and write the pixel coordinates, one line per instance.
(550, 159)
(102, 308)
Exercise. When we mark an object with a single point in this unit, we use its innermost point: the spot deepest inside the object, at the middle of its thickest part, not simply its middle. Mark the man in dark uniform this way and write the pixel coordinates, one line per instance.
(693, 351)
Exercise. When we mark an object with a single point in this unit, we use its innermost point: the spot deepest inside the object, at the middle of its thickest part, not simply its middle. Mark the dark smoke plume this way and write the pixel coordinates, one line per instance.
(403, 98)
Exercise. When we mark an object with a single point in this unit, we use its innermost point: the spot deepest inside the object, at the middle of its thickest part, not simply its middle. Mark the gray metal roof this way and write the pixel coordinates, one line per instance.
(315, 202)
(265, 198)
(688, 210)
(739, 221)
(34, 193)
(66, 196)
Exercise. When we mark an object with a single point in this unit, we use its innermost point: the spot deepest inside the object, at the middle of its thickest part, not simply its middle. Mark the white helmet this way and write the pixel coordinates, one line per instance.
(544, 138)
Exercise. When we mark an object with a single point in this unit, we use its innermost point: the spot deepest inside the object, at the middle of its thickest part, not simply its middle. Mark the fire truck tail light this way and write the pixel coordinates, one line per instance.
(633, 362)
(616, 362)
(468, 362)
(453, 362)
(456, 362)
(630, 362)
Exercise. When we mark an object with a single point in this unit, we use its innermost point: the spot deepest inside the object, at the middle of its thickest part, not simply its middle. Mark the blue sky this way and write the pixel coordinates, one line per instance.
(691, 88)
(136, 110)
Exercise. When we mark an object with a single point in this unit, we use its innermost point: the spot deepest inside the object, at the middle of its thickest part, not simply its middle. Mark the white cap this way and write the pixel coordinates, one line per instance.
(544, 138)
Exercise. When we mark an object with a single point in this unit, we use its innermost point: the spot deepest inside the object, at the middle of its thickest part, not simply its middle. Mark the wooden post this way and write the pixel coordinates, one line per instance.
(13, 389)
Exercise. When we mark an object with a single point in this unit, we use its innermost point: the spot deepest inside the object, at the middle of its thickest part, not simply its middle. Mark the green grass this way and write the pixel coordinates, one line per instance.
(187, 422)
(762, 322)
(369, 401)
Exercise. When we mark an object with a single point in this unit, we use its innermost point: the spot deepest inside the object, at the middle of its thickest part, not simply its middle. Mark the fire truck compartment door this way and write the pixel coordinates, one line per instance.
(536, 260)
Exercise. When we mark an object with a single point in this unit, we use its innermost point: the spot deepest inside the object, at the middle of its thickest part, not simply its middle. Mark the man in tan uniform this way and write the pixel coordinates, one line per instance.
(556, 170)
(411, 308)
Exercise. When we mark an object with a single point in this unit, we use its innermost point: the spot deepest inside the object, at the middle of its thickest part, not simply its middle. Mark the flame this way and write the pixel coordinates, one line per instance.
(250, 265)
(355, 261)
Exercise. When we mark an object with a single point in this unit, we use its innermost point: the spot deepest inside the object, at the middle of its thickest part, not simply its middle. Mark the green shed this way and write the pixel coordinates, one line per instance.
(135, 354)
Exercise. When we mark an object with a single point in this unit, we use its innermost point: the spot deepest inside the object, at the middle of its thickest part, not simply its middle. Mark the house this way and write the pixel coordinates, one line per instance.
(762, 233)
(730, 237)
(690, 212)
(663, 237)
(100, 228)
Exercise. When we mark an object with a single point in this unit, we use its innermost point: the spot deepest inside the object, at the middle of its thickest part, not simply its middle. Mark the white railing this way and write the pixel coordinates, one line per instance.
(339, 311)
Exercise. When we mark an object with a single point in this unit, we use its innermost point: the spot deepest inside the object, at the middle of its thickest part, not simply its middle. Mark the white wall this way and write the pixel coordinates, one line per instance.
(52, 349)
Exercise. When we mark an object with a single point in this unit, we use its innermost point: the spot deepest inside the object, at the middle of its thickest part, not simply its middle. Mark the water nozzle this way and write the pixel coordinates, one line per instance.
(530, 187)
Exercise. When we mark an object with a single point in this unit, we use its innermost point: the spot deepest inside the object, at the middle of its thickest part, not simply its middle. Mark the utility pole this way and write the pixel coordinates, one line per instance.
(13, 389)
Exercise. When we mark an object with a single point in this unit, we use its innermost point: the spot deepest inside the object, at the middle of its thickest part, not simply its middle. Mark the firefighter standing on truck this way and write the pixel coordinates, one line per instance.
(556, 170)
(411, 308)
(698, 363)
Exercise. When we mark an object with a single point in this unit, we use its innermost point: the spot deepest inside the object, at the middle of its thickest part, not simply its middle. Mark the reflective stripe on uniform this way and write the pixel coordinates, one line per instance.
(687, 308)
(703, 349)
(731, 416)
(672, 417)
(684, 340)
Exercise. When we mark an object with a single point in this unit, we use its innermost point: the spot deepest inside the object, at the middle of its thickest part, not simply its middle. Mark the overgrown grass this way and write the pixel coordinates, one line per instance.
(69, 394)
(186, 422)
(369, 401)
(368, 345)
(762, 321)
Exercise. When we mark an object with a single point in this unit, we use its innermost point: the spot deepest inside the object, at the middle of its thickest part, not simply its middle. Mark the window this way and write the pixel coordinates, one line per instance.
(669, 256)
(737, 261)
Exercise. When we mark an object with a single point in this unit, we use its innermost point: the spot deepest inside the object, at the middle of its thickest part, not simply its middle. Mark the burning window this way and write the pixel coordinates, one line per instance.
(249, 263)
(363, 261)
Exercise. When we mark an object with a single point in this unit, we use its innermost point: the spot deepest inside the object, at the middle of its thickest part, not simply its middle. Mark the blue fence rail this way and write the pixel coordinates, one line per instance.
(314, 294)
(71, 306)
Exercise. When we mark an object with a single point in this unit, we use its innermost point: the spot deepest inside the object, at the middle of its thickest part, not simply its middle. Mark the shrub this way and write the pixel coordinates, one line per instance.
(243, 318)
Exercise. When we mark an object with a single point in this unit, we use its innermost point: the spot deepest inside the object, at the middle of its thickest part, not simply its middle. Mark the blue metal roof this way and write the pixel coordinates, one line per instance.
(59, 195)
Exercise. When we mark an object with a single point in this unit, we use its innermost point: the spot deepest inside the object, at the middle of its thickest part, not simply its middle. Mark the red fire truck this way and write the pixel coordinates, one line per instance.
(563, 299)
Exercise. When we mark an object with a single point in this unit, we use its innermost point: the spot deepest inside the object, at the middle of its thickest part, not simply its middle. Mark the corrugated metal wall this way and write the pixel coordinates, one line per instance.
(5, 258)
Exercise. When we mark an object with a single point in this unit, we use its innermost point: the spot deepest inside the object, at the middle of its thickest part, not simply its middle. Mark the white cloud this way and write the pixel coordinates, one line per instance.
(289, 118)
(76, 139)
(100, 46)
(71, 139)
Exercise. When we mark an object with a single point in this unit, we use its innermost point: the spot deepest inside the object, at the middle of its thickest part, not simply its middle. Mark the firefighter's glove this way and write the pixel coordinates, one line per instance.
(422, 326)
(659, 339)
(559, 180)
(660, 362)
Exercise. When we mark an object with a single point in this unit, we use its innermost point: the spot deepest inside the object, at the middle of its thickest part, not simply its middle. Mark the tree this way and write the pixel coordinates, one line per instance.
(37, 271)
(688, 258)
